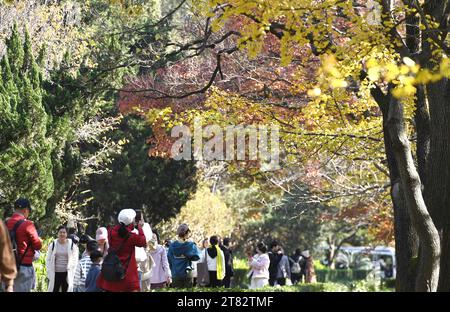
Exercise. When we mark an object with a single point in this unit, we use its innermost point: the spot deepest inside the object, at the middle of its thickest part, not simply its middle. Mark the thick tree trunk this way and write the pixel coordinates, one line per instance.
(406, 243)
(437, 196)
(437, 184)
(406, 240)
(437, 187)
(433, 135)
(444, 277)
(428, 265)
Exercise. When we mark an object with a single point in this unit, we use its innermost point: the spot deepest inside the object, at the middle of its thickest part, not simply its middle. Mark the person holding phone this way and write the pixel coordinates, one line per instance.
(123, 241)
(143, 260)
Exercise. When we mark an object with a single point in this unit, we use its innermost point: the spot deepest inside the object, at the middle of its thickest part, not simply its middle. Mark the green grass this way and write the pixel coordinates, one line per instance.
(360, 286)
(317, 287)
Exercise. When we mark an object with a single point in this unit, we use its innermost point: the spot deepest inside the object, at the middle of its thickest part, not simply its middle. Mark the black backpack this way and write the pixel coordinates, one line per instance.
(12, 235)
(112, 268)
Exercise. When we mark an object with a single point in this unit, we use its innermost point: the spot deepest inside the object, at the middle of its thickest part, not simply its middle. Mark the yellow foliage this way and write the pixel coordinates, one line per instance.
(206, 214)
(368, 45)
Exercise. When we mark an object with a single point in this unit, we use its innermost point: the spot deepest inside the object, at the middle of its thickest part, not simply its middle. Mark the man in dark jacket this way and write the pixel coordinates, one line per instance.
(228, 254)
(8, 270)
(275, 258)
(28, 241)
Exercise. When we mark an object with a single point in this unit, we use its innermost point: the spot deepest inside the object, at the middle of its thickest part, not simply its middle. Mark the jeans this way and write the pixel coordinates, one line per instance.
(79, 288)
(140, 279)
(25, 279)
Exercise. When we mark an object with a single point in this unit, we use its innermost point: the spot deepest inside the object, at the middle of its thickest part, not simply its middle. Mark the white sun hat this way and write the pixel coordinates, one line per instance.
(126, 216)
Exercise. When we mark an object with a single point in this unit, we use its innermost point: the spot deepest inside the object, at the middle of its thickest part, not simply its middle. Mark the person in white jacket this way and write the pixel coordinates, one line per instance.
(259, 267)
(161, 275)
(146, 269)
(143, 259)
(61, 262)
(215, 260)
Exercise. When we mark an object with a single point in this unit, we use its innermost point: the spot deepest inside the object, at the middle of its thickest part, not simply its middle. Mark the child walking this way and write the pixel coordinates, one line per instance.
(94, 271)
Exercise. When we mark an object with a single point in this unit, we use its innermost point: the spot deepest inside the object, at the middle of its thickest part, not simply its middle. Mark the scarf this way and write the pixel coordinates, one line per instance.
(220, 267)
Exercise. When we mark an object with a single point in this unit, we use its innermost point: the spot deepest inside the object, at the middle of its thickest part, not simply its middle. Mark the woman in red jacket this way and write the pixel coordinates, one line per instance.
(117, 235)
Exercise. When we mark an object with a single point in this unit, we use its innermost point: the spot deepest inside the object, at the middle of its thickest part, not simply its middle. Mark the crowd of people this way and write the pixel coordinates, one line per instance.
(272, 267)
(129, 257)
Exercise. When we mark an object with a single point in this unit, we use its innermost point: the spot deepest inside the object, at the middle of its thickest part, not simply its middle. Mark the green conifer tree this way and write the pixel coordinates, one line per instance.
(25, 148)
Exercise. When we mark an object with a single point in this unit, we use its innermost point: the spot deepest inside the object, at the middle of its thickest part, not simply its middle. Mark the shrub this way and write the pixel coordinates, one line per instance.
(335, 287)
(40, 268)
(320, 266)
(341, 276)
(320, 287)
(388, 283)
(241, 268)
(316, 287)
(240, 278)
(365, 286)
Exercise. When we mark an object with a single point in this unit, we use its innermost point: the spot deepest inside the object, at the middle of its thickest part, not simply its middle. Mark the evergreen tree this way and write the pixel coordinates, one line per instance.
(25, 147)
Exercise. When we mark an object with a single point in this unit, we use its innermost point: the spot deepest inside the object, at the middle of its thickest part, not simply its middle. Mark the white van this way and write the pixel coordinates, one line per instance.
(385, 258)
(380, 259)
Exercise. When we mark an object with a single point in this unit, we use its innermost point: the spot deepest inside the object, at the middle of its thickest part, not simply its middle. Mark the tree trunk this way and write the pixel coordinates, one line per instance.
(437, 187)
(444, 276)
(406, 240)
(422, 120)
(428, 265)
(406, 243)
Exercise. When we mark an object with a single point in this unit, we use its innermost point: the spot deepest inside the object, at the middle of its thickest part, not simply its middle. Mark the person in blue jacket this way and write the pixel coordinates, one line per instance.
(94, 271)
(180, 255)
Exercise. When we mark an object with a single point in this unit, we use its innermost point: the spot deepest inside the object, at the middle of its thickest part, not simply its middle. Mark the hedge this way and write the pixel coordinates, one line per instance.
(316, 287)
(323, 276)
(341, 276)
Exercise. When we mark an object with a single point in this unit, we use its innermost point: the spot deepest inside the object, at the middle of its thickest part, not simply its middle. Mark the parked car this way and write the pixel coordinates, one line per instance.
(385, 257)
(380, 259)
